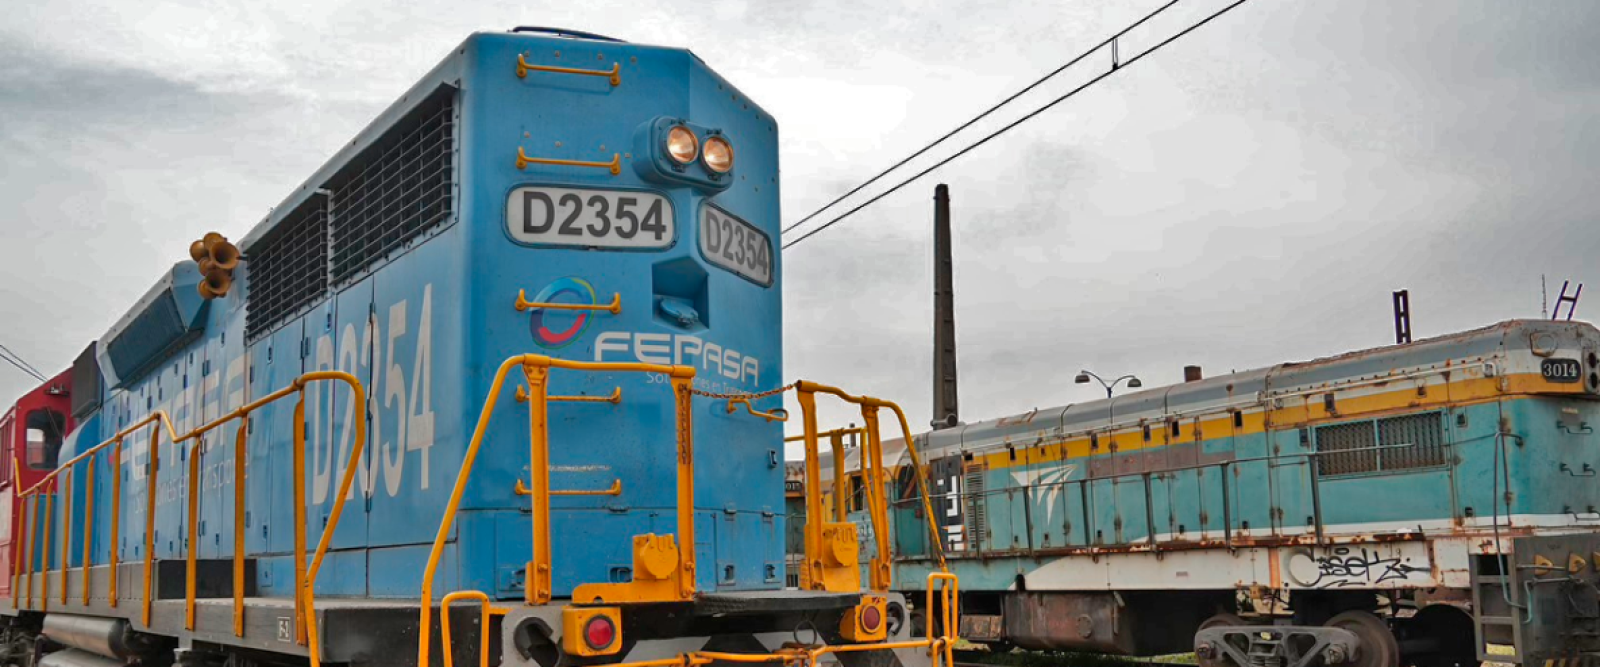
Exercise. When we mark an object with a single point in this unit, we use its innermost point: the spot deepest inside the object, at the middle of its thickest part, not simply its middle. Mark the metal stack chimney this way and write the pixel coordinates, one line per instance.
(946, 412)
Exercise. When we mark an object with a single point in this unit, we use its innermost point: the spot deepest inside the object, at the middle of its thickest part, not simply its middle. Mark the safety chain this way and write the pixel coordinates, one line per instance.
(763, 394)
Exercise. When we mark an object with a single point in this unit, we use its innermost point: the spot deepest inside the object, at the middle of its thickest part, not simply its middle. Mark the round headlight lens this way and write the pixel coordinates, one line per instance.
(682, 145)
(719, 155)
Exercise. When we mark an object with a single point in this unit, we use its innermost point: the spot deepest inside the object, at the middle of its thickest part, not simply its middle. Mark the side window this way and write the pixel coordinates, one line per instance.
(45, 431)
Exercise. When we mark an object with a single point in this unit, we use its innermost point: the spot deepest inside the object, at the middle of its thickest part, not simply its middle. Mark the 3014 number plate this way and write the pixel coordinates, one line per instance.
(1561, 370)
(590, 218)
(735, 245)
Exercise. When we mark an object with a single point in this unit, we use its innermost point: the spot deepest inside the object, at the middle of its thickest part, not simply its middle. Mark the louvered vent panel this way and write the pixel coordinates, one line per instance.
(1418, 441)
(1344, 437)
(288, 269)
(977, 514)
(398, 188)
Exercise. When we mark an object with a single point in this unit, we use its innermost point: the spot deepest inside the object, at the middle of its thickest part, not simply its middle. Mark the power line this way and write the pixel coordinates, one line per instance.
(1116, 67)
(24, 362)
(14, 362)
(1036, 83)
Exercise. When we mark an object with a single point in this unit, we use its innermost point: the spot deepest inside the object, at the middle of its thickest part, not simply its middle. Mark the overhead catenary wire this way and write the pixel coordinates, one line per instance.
(996, 107)
(1117, 67)
(19, 364)
(32, 370)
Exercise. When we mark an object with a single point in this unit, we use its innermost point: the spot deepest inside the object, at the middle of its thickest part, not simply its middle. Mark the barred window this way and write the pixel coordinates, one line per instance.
(396, 189)
(289, 268)
(1391, 444)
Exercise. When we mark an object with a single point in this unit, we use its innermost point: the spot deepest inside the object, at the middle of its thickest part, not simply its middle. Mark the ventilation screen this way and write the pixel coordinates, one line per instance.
(288, 269)
(977, 515)
(396, 189)
(1392, 444)
(1414, 441)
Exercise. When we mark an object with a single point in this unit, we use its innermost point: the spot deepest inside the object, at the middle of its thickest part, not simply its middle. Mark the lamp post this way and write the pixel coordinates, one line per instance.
(1083, 378)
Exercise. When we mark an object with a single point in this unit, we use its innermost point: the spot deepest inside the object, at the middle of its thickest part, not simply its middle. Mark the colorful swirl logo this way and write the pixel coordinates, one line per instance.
(555, 328)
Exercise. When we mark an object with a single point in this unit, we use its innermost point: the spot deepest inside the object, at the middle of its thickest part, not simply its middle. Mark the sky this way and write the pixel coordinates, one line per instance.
(1249, 195)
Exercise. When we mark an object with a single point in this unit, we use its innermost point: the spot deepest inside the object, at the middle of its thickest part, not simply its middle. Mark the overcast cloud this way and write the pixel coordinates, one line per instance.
(1249, 195)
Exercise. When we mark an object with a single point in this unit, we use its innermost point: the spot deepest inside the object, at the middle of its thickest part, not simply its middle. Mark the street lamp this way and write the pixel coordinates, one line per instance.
(1083, 378)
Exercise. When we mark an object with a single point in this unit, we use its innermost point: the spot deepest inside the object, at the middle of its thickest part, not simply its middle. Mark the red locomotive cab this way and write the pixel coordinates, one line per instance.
(31, 433)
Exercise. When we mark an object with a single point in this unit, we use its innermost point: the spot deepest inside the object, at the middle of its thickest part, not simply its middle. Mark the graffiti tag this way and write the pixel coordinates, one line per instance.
(1347, 567)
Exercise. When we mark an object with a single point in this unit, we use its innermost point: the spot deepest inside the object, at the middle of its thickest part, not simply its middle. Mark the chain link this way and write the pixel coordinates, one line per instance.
(763, 394)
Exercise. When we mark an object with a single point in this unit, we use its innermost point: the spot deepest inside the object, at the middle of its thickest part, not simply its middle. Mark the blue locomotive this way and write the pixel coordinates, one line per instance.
(488, 353)
(1432, 503)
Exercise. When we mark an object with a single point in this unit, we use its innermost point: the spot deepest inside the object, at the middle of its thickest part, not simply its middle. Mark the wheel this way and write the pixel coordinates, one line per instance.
(1379, 648)
(1221, 620)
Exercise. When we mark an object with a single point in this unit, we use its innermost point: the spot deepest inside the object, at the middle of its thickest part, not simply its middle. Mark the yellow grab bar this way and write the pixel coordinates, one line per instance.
(614, 166)
(523, 66)
(614, 398)
(615, 307)
(483, 627)
(774, 416)
(614, 490)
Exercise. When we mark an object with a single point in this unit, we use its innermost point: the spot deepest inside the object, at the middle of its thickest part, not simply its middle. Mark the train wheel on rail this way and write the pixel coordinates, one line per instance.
(1379, 648)
(1221, 620)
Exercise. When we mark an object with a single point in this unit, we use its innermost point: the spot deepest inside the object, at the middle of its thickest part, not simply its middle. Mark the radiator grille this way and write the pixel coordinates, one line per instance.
(977, 514)
(1416, 441)
(288, 269)
(1423, 432)
(1344, 437)
(396, 189)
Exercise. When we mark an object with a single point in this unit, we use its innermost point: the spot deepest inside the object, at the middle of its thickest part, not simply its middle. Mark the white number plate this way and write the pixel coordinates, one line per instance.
(590, 218)
(735, 245)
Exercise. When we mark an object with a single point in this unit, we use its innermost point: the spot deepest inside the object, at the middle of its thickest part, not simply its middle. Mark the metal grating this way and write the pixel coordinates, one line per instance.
(1344, 437)
(288, 269)
(977, 514)
(396, 189)
(1391, 444)
(1423, 432)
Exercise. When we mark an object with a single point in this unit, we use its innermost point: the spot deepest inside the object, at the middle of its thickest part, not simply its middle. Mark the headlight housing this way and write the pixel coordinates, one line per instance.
(682, 146)
(718, 155)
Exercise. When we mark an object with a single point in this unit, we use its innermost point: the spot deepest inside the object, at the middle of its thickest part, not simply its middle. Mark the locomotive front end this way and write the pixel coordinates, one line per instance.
(622, 304)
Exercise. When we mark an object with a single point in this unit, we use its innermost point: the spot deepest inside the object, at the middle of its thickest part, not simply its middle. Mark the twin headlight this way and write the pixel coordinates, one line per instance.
(683, 147)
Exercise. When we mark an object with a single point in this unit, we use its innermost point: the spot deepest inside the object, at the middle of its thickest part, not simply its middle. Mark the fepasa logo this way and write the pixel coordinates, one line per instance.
(554, 328)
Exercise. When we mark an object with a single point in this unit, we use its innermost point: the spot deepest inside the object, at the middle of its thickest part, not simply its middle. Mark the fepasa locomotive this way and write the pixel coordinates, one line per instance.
(512, 352)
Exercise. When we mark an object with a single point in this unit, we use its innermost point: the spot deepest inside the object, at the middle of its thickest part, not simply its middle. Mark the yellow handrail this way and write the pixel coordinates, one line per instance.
(88, 523)
(305, 580)
(536, 369)
(614, 307)
(483, 627)
(614, 74)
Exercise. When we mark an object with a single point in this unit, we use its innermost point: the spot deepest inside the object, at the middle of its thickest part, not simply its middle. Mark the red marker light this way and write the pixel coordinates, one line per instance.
(599, 632)
(870, 619)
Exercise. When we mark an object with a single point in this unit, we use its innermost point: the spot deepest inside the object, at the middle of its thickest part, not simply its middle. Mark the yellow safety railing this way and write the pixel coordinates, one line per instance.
(813, 575)
(841, 512)
(536, 369)
(305, 578)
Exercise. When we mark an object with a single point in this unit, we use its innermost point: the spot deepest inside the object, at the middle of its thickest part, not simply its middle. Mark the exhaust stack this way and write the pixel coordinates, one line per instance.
(946, 412)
